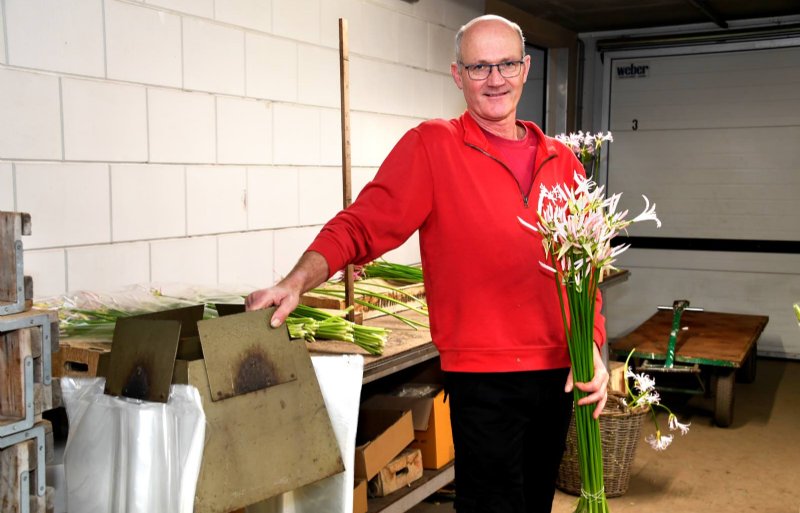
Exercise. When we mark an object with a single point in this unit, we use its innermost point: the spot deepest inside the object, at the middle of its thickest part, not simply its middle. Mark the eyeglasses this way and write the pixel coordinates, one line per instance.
(508, 69)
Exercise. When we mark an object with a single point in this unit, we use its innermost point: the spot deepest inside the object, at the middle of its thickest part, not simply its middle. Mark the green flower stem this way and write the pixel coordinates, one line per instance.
(579, 330)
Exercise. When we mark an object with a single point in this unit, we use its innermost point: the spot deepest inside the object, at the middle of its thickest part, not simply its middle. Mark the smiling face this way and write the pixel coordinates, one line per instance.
(493, 101)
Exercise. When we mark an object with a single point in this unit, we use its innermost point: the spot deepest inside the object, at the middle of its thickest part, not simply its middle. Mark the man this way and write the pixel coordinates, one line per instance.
(494, 312)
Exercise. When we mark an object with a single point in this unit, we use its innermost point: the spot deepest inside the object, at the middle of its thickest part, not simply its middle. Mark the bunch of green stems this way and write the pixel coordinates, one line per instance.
(311, 323)
(369, 292)
(393, 272)
(580, 300)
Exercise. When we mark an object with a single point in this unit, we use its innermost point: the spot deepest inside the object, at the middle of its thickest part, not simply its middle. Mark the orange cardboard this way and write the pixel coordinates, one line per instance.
(433, 434)
(382, 434)
(360, 496)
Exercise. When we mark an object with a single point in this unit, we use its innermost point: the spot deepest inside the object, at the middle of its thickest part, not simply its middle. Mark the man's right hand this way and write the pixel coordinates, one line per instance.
(285, 298)
(309, 272)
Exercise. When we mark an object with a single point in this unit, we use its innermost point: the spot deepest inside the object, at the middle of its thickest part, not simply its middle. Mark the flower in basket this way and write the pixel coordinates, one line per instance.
(646, 396)
(587, 148)
(577, 224)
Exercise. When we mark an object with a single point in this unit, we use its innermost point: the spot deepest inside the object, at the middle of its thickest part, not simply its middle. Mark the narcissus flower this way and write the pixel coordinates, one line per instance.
(658, 441)
(648, 397)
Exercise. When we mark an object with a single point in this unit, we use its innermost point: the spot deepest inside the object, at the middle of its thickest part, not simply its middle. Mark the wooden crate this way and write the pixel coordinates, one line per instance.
(22, 472)
(79, 358)
(16, 382)
(25, 370)
(16, 290)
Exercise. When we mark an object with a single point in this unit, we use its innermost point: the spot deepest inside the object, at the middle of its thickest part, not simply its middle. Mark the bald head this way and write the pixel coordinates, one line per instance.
(488, 18)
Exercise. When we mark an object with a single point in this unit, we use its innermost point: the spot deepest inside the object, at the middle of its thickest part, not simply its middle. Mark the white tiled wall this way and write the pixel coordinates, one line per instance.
(109, 267)
(292, 241)
(6, 187)
(104, 121)
(330, 150)
(244, 131)
(189, 261)
(143, 44)
(31, 126)
(181, 126)
(320, 194)
(380, 32)
(254, 14)
(350, 10)
(298, 137)
(47, 267)
(272, 197)
(246, 259)
(2, 38)
(198, 141)
(441, 47)
(69, 203)
(414, 34)
(216, 199)
(297, 19)
(271, 67)
(204, 8)
(318, 76)
(213, 57)
(56, 35)
(148, 201)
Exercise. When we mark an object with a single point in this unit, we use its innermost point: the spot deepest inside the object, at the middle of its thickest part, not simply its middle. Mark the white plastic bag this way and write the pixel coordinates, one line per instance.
(129, 456)
(339, 380)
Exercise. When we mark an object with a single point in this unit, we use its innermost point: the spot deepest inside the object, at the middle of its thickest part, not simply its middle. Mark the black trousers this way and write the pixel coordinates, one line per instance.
(509, 431)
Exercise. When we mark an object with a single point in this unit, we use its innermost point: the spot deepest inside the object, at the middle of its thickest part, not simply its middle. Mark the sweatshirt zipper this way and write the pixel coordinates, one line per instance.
(525, 197)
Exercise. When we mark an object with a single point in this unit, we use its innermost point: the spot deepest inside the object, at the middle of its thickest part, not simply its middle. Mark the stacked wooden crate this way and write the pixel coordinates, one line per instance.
(27, 339)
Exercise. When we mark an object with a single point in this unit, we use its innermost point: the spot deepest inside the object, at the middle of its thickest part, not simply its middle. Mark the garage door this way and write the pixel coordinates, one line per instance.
(714, 139)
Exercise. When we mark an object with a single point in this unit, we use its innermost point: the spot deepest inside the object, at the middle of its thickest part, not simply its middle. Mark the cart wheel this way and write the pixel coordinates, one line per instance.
(747, 372)
(723, 392)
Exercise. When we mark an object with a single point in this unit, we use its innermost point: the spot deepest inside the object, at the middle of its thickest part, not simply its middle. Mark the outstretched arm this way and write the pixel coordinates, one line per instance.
(310, 271)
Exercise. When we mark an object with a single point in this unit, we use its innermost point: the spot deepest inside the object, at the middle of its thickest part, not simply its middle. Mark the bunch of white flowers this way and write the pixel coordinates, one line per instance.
(587, 147)
(577, 225)
(646, 396)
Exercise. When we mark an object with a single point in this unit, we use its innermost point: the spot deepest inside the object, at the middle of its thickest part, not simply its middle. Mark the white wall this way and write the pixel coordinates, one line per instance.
(199, 141)
(722, 281)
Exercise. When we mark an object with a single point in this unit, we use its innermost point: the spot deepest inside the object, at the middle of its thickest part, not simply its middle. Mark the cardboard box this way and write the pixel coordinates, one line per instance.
(382, 435)
(360, 496)
(616, 377)
(433, 434)
(400, 472)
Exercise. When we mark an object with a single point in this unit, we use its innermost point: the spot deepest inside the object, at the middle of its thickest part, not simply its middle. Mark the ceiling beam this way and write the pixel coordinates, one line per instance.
(710, 13)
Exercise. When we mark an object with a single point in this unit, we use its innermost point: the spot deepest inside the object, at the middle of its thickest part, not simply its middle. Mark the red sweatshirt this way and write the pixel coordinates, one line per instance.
(492, 307)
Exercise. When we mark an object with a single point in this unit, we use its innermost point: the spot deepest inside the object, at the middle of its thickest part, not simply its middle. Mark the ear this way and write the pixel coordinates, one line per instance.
(527, 68)
(456, 75)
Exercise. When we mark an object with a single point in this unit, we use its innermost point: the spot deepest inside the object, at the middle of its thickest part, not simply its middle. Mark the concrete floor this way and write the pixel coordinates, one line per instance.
(751, 466)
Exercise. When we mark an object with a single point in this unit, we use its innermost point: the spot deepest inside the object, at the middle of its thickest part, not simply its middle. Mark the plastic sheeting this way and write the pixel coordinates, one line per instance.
(129, 456)
(339, 379)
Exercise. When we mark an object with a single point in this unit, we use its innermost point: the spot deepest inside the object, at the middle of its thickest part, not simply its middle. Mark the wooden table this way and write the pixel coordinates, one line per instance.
(714, 343)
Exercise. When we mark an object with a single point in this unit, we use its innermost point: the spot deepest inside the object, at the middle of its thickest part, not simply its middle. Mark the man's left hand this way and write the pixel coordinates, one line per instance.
(597, 388)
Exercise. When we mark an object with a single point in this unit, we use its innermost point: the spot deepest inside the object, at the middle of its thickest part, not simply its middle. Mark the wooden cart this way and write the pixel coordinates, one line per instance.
(712, 346)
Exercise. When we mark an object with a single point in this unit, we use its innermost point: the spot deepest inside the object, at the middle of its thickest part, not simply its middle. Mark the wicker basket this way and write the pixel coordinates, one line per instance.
(620, 428)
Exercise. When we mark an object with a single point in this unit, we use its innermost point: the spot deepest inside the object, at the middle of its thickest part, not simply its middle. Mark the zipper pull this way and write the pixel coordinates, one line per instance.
(525, 201)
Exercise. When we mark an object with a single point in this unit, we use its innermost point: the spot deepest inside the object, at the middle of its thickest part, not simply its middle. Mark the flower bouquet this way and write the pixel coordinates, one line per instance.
(587, 148)
(646, 396)
(577, 224)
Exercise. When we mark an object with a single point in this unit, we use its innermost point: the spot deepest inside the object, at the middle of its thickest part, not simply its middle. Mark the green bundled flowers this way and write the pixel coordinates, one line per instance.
(577, 224)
